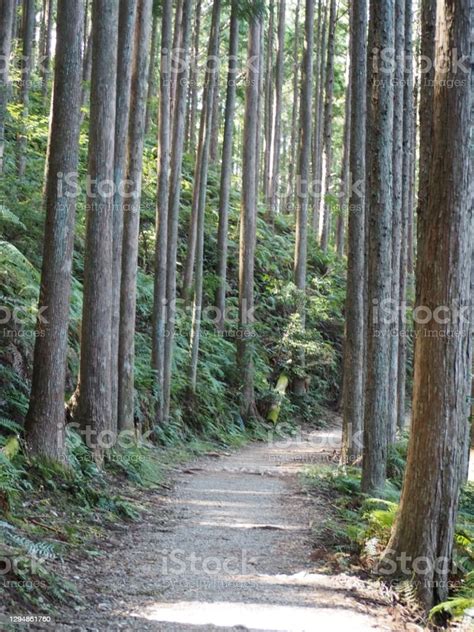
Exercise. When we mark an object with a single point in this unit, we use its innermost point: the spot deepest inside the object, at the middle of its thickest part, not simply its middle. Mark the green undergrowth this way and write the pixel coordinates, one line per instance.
(357, 528)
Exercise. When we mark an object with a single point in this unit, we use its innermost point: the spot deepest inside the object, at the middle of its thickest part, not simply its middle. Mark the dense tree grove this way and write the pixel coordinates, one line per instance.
(223, 219)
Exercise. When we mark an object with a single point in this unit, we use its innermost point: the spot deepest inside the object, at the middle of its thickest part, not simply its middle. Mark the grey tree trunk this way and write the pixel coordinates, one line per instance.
(353, 391)
(294, 115)
(127, 18)
(131, 225)
(276, 143)
(93, 398)
(397, 165)
(318, 127)
(28, 32)
(381, 25)
(248, 214)
(210, 88)
(344, 184)
(174, 201)
(327, 133)
(151, 74)
(303, 177)
(46, 58)
(268, 80)
(426, 520)
(45, 421)
(193, 87)
(409, 150)
(6, 27)
(86, 73)
(226, 171)
(202, 158)
(159, 297)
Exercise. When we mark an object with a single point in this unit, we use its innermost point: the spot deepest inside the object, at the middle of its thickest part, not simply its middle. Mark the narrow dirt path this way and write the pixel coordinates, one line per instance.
(228, 549)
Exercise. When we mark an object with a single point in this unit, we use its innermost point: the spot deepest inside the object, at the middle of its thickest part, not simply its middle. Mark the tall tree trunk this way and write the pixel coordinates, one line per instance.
(201, 186)
(318, 127)
(151, 74)
(93, 396)
(46, 59)
(28, 32)
(86, 74)
(306, 116)
(159, 297)
(294, 115)
(174, 202)
(276, 142)
(426, 521)
(131, 226)
(353, 391)
(268, 110)
(177, 53)
(248, 216)
(409, 150)
(397, 162)
(344, 184)
(381, 27)
(45, 421)
(215, 120)
(127, 19)
(327, 134)
(7, 15)
(226, 171)
(191, 116)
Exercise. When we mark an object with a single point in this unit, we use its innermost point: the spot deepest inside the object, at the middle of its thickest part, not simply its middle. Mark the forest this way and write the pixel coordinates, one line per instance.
(236, 315)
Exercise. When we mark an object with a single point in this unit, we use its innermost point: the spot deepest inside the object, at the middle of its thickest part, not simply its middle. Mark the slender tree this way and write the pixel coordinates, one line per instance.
(45, 421)
(409, 150)
(159, 298)
(226, 171)
(177, 145)
(201, 185)
(353, 391)
(294, 111)
(191, 117)
(93, 397)
(344, 184)
(327, 128)
(26, 61)
(45, 61)
(381, 36)
(306, 114)
(127, 19)
(6, 26)
(425, 526)
(276, 138)
(152, 68)
(248, 215)
(131, 227)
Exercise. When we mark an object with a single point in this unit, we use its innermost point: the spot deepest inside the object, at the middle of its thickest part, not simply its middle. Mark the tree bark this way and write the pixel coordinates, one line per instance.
(294, 115)
(193, 86)
(127, 19)
(174, 201)
(226, 171)
(46, 59)
(28, 31)
(306, 116)
(159, 298)
(344, 184)
(203, 164)
(268, 110)
(7, 15)
(318, 127)
(428, 508)
(276, 143)
(409, 150)
(93, 398)
(327, 134)
(45, 421)
(381, 25)
(151, 74)
(131, 226)
(397, 165)
(248, 215)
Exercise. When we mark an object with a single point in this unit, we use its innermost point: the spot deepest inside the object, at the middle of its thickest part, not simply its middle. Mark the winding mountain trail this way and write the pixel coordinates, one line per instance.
(228, 549)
